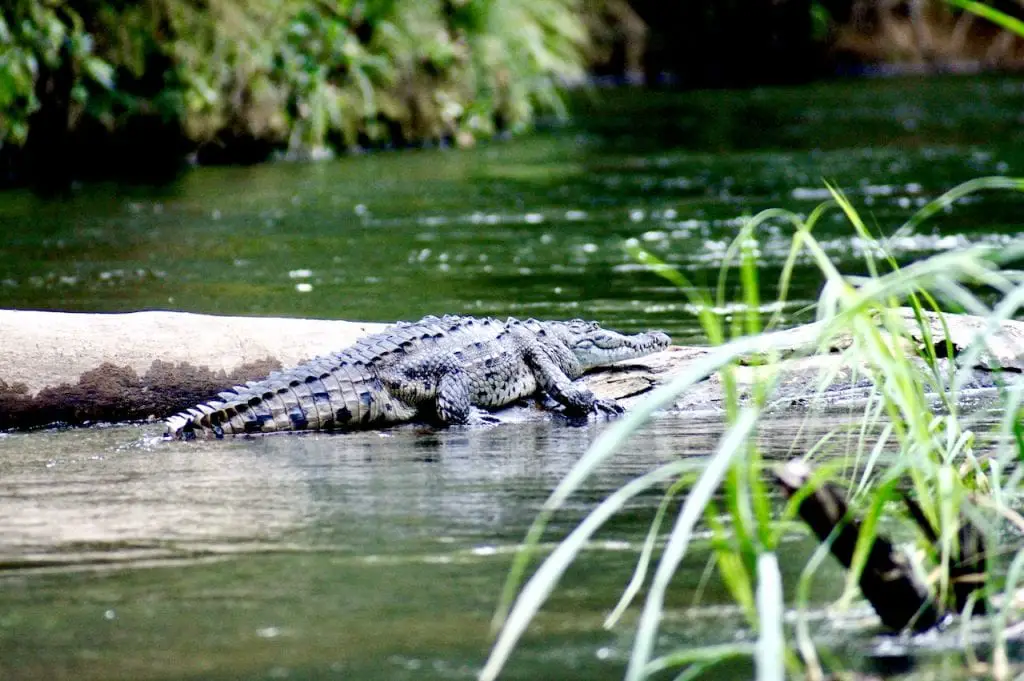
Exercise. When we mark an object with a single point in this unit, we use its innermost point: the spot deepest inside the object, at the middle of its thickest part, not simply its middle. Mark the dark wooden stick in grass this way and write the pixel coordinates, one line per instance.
(888, 581)
(967, 567)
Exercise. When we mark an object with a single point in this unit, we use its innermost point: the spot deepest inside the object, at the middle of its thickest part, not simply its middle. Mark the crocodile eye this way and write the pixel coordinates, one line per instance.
(585, 344)
(608, 340)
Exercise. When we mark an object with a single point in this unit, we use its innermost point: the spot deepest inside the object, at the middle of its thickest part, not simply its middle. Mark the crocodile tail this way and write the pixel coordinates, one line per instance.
(201, 420)
(338, 392)
(310, 397)
(179, 427)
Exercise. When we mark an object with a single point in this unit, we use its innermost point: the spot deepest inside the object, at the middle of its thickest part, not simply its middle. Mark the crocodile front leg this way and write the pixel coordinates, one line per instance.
(577, 400)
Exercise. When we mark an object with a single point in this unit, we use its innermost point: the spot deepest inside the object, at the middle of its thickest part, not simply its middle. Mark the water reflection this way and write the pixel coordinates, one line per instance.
(378, 552)
(72, 495)
(117, 494)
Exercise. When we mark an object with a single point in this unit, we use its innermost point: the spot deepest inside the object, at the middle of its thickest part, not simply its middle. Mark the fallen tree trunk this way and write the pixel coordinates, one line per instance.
(79, 368)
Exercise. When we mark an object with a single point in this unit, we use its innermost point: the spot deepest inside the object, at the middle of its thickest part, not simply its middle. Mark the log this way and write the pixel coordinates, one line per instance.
(71, 368)
(888, 581)
(76, 368)
(59, 368)
(898, 595)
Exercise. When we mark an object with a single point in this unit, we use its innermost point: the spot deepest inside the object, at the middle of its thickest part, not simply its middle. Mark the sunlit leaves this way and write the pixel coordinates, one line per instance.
(35, 37)
(299, 74)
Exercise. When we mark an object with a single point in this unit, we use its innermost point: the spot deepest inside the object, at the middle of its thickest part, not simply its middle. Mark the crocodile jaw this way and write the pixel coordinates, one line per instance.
(593, 346)
(610, 347)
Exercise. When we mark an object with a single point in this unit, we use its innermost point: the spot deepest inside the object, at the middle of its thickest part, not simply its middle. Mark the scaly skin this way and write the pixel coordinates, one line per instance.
(436, 369)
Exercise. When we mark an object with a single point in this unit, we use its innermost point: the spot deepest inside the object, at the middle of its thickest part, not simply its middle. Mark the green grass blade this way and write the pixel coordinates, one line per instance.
(732, 443)
(640, 573)
(771, 645)
(612, 437)
(702, 658)
(961, 190)
(1000, 659)
(997, 17)
(543, 581)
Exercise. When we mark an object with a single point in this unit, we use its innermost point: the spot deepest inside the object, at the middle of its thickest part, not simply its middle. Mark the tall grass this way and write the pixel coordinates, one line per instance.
(913, 405)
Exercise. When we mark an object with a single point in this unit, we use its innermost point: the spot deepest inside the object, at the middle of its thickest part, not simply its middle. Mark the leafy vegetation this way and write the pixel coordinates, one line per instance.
(913, 408)
(308, 76)
(38, 37)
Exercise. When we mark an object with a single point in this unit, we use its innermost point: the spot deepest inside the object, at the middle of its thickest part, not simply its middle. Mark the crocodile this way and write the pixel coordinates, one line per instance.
(436, 369)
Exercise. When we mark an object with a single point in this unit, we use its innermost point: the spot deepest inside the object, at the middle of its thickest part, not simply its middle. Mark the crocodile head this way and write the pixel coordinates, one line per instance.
(594, 346)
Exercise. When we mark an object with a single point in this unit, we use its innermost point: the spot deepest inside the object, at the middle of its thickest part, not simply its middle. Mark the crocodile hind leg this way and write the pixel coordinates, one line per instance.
(454, 404)
(453, 401)
(438, 387)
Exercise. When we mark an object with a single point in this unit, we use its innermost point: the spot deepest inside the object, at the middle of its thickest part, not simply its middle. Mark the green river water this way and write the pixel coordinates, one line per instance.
(381, 555)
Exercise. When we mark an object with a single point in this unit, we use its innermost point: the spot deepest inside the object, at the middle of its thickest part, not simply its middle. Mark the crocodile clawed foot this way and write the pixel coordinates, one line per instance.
(608, 407)
(478, 417)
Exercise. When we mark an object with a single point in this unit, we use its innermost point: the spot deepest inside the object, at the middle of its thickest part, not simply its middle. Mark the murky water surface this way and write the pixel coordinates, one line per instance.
(381, 555)
(370, 555)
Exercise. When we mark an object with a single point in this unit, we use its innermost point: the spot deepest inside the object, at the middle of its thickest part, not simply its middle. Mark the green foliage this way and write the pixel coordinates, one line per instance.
(302, 73)
(820, 21)
(37, 37)
(999, 18)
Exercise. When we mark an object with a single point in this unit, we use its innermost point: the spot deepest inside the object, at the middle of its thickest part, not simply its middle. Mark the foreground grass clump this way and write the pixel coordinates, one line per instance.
(913, 404)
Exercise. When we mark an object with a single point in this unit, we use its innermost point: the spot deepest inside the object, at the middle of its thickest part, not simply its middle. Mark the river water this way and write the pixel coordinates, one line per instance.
(381, 555)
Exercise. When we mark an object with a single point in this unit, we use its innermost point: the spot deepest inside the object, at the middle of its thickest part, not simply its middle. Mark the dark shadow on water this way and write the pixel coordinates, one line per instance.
(907, 112)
